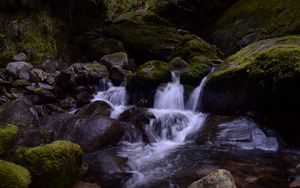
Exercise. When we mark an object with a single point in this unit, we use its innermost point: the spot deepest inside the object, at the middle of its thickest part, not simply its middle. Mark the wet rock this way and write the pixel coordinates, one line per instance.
(227, 133)
(98, 108)
(88, 127)
(66, 80)
(34, 137)
(12, 175)
(58, 164)
(19, 70)
(45, 96)
(119, 59)
(218, 179)
(177, 63)
(8, 134)
(20, 57)
(49, 66)
(20, 112)
(118, 75)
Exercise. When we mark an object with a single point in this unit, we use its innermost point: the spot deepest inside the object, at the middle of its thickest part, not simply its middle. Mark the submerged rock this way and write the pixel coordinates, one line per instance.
(218, 179)
(55, 165)
(13, 176)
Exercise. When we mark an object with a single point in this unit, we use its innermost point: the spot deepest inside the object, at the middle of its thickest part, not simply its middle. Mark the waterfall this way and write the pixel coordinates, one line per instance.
(195, 97)
(170, 128)
(115, 96)
(170, 96)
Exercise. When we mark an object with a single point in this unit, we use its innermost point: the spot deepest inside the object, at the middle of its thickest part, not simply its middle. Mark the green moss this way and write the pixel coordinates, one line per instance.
(34, 35)
(145, 34)
(192, 46)
(13, 176)
(119, 55)
(8, 133)
(194, 74)
(57, 164)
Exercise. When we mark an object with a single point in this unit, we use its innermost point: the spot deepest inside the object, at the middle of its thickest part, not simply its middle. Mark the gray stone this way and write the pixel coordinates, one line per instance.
(19, 70)
(116, 59)
(49, 66)
(20, 57)
(218, 179)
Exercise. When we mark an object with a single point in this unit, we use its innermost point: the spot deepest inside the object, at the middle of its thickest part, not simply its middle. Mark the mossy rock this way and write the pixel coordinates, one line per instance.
(151, 74)
(192, 46)
(146, 35)
(13, 176)
(194, 74)
(34, 35)
(58, 164)
(263, 76)
(249, 21)
(8, 133)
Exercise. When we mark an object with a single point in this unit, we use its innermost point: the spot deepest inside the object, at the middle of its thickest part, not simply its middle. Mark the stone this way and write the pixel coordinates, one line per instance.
(38, 75)
(19, 70)
(49, 66)
(119, 59)
(20, 57)
(218, 179)
(8, 134)
(178, 64)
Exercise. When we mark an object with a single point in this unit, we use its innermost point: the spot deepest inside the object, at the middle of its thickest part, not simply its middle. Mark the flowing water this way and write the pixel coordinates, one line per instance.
(170, 130)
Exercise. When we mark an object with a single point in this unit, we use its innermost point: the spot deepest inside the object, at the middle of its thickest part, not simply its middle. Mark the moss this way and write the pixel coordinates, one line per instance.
(56, 165)
(192, 46)
(194, 74)
(146, 35)
(13, 176)
(8, 133)
(119, 55)
(34, 35)
(252, 20)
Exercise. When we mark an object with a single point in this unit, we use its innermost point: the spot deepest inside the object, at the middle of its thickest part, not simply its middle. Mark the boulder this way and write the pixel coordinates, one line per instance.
(193, 75)
(143, 84)
(218, 179)
(264, 76)
(49, 66)
(19, 70)
(249, 21)
(38, 75)
(13, 176)
(178, 63)
(58, 164)
(145, 35)
(32, 137)
(20, 57)
(119, 59)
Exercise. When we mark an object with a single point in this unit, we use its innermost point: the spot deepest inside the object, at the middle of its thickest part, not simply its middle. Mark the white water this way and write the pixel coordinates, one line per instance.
(171, 128)
(193, 102)
(116, 97)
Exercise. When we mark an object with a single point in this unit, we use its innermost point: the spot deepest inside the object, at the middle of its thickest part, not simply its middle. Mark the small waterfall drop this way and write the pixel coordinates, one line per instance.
(115, 96)
(195, 97)
(170, 128)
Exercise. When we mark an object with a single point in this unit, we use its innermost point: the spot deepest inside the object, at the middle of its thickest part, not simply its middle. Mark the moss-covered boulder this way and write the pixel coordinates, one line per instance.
(58, 164)
(149, 76)
(192, 46)
(13, 176)
(8, 133)
(194, 74)
(249, 21)
(146, 35)
(263, 76)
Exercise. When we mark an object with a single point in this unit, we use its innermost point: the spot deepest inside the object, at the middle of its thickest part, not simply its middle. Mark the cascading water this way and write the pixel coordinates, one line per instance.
(170, 129)
(116, 97)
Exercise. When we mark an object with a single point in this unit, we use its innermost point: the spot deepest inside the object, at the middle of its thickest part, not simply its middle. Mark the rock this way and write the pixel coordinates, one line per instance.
(145, 35)
(19, 69)
(14, 176)
(37, 75)
(97, 108)
(8, 133)
(218, 179)
(88, 127)
(177, 63)
(107, 169)
(100, 46)
(58, 164)
(49, 66)
(295, 183)
(261, 77)
(193, 75)
(144, 83)
(19, 112)
(251, 21)
(119, 59)
(32, 137)
(118, 75)
(86, 185)
(89, 73)
(20, 57)
(192, 48)
(66, 80)
(45, 96)
(230, 133)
